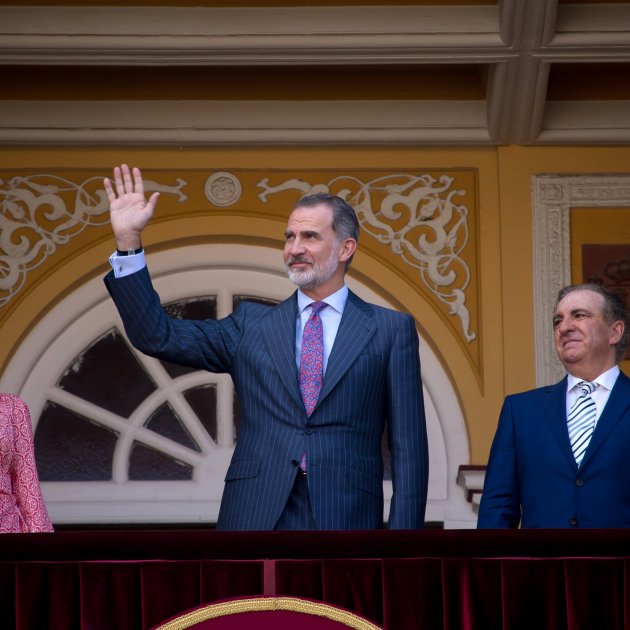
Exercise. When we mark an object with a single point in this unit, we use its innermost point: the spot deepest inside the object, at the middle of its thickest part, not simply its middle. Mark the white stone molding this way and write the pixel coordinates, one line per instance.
(553, 196)
(471, 478)
(244, 123)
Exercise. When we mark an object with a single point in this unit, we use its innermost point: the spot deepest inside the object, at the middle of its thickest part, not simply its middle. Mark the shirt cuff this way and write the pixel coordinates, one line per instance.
(126, 265)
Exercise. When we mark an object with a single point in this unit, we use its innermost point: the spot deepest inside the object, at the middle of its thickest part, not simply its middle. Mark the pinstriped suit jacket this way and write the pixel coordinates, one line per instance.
(532, 470)
(373, 376)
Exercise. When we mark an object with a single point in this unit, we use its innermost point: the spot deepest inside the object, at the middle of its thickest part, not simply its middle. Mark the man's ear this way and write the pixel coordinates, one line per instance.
(616, 332)
(348, 247)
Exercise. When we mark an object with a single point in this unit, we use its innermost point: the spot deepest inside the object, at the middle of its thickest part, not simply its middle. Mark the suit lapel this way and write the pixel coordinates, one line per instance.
(278, 330)
(355, 330)
(554, 404)
(618, 404)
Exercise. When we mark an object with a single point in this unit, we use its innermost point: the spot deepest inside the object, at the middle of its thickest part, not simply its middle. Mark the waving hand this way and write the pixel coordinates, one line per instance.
(129, 210)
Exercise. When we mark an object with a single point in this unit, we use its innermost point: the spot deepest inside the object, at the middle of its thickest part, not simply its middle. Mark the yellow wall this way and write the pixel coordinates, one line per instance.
(500, 361)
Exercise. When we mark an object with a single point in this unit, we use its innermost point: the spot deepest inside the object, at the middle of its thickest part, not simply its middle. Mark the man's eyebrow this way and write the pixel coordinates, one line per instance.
(572, 312)
(288, 233)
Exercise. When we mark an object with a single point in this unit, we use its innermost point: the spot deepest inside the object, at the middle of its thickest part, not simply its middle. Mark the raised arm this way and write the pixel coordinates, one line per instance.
(129, 210)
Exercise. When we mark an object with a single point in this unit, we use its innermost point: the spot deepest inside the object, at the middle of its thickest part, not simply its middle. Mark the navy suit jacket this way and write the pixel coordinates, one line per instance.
(532, 476)
(372, 377)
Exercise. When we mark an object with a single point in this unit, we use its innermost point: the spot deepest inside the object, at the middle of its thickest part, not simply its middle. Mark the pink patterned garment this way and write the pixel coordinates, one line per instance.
(22, 507)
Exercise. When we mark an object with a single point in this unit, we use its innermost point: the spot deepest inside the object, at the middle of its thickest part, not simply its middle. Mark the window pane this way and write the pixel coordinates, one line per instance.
(203, 400)
(108, 374)
(164, 421)
(237, 299)
(70, 447)
(147, 464)
(204, 307)
(190, 308)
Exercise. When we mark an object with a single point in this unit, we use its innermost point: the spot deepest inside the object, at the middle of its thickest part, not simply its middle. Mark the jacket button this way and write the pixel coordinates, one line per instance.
(573, 521)
(294, 463)
(579, 482)
(308, 431)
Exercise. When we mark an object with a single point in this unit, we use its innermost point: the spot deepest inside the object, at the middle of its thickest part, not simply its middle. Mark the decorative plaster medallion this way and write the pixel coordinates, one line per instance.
(223, 189)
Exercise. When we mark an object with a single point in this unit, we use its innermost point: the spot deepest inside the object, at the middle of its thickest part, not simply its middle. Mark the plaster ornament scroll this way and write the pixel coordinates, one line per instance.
(416, 215)
(40, 212)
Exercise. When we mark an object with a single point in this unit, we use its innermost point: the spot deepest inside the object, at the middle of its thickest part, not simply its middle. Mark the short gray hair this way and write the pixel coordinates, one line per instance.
(345, 223)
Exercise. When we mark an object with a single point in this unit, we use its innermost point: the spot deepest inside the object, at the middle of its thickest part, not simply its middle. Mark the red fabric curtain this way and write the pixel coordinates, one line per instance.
(137, 580)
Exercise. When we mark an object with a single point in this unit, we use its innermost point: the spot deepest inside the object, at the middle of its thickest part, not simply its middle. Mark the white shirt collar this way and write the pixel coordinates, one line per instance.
(606, 380)
(336, 300)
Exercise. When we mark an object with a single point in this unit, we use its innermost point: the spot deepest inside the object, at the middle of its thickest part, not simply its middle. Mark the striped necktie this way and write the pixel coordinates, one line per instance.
(581, 419)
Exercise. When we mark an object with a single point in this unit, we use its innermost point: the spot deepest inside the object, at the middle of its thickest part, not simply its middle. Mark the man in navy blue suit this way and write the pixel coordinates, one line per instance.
(560, 453)
(297, 464)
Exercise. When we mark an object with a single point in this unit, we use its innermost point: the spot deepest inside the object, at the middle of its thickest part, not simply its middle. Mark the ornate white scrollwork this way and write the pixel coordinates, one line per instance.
(417, 217)
(39, 212)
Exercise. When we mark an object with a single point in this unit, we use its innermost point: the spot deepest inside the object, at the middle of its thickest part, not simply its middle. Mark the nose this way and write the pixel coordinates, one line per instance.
(295, 247)
(565, 325)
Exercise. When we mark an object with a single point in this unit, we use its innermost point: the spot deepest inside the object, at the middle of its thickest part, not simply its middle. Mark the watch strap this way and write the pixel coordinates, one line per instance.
(129, 252)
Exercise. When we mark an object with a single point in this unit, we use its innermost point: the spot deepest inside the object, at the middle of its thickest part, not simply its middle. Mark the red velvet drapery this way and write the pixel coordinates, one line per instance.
(427, 579)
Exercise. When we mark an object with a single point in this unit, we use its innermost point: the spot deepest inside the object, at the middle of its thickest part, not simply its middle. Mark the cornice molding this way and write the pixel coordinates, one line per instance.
(250, 123)
(163, 35)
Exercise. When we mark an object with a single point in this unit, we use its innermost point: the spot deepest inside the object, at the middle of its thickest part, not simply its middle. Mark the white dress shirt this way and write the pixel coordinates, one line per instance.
(126, 265)
(606, 382)
(330, 316)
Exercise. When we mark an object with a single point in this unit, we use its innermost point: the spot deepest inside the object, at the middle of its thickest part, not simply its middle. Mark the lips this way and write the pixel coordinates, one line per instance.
(566, 342)
(298, 263)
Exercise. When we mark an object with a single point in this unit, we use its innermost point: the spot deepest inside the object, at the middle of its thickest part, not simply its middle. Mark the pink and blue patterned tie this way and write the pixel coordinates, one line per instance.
(312, 362)
(312, 358)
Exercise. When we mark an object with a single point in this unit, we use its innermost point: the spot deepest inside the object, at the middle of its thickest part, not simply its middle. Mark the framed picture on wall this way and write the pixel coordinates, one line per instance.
(609, 266)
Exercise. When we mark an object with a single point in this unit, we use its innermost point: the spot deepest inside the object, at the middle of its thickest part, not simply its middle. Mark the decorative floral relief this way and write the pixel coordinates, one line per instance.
(223, 189)
(420, 221)
(40, 212)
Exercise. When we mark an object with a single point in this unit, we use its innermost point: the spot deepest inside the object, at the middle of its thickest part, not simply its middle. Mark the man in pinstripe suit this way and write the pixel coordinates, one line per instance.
(292, 469)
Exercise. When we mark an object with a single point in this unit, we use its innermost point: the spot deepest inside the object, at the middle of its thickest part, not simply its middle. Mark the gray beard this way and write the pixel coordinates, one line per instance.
(313, 276)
